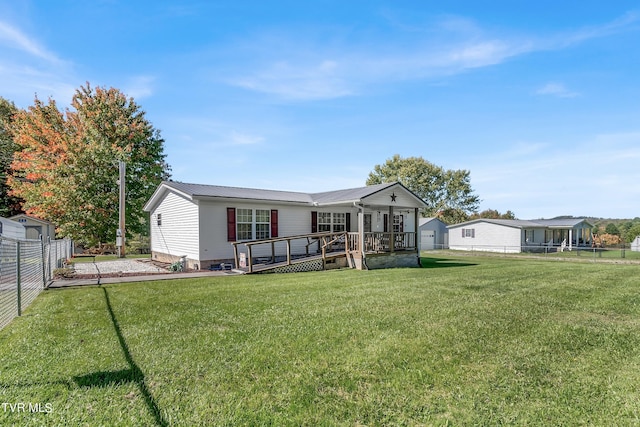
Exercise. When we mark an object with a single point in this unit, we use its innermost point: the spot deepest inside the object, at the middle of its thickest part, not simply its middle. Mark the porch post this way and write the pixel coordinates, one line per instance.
(361, 231)
(570, 238)
(416, 229)
(392, 243)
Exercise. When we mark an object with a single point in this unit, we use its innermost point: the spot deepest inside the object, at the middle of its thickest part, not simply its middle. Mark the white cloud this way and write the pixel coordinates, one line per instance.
(556, 89)
(30, 69)
(139, 87)
(588, 177)
(318, 80)
(15, 39)
(293, 67)
(238, 138)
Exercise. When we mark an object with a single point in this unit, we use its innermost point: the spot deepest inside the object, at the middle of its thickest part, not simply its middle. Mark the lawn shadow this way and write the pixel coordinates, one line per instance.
(108, 378)
(429, 262)
(134, 374)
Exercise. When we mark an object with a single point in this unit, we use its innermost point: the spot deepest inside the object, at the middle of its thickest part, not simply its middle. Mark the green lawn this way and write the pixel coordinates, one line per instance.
(465, 341)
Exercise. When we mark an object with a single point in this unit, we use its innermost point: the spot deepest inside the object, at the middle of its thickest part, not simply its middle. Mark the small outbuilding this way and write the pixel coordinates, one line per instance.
(433, 234)
(36, 227)
(635, 245)
(12, 229)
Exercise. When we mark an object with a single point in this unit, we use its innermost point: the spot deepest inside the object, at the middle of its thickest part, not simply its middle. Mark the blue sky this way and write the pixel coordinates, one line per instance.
(540, 101)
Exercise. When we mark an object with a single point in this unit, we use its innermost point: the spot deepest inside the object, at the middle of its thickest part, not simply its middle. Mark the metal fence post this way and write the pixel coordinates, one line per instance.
(44, 267)
(18, 285)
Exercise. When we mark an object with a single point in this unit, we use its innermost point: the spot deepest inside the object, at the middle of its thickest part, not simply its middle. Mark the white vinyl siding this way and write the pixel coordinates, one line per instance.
(484, 236)
(292, 220)
(174, 227)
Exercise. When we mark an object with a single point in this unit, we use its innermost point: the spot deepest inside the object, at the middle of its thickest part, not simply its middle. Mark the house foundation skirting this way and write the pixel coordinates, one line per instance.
(392, 260)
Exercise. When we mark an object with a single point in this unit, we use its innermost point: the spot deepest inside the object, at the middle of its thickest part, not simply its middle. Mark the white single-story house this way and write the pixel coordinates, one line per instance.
(36, 227)
(206, 225)
(12, 229)
(635, 245)
(433, 234)
(512, 235)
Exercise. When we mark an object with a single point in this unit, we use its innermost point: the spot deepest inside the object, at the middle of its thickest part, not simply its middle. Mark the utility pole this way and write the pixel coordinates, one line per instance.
(120, 235)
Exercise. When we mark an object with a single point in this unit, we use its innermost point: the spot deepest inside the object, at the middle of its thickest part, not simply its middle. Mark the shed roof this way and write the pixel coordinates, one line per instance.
(536, 223)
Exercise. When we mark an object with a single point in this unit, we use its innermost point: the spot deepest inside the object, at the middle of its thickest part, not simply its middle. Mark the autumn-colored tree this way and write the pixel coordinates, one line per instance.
(9, 205)
(447, 193)
(67, 170)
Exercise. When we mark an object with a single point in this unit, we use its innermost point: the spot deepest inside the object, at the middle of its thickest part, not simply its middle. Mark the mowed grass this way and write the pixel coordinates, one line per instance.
(464, 341)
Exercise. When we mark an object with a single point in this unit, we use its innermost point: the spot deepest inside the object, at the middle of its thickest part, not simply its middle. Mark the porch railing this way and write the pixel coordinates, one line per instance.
(381, 242)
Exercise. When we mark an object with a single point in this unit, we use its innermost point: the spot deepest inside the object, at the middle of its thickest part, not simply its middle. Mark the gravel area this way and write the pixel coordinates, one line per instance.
(118, 266)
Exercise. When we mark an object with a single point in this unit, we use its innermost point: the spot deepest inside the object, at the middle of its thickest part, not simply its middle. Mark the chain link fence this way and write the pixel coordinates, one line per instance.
(26, 268)
(596, 254)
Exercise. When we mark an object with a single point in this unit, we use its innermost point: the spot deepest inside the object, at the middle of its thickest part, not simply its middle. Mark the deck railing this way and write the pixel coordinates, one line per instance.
(377, 242)
(324, 244)
(316, 244)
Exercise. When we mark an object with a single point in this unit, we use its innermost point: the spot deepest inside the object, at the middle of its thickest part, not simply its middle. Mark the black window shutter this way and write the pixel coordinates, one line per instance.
(314, 221)
(274, 223)
(386, 223)
(231, 224)
(348, 219)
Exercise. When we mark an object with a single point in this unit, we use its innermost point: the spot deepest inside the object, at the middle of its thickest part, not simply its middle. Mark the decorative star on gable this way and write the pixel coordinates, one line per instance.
(393, 196)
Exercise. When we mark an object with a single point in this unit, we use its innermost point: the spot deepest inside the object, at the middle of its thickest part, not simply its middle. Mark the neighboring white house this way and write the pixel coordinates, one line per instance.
(200, 223)
(36, 227)
(506, 235)
(635, 245)
(433, 234)
(12, 229)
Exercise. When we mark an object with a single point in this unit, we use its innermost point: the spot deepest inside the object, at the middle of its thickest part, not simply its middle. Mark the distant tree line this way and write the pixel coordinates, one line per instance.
(627, 230)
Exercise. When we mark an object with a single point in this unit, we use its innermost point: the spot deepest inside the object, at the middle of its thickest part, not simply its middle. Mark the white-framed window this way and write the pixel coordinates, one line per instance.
(263, 224)
(339, 222)
(253, 224)
(332, 222)
(244, 224)
(469, 232)
(324, 222)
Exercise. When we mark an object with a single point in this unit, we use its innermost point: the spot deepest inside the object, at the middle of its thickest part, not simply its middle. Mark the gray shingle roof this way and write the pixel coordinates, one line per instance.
(324, 198)
(519, 223)
(203, 190)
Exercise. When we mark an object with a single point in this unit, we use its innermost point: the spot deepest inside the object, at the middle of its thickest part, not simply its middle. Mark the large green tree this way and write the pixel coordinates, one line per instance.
(492, 214)
(447, 193)
(67, 169)
(9, 205)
